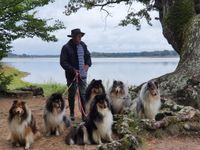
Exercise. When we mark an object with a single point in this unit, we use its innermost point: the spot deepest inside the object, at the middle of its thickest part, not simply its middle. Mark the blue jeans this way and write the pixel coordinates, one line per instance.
(72, 93)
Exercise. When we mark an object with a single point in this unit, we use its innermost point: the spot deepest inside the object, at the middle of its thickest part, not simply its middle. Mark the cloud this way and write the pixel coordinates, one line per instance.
(102, 34)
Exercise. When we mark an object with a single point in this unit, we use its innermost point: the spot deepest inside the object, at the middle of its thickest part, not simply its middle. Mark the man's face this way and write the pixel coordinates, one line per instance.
(77, 38)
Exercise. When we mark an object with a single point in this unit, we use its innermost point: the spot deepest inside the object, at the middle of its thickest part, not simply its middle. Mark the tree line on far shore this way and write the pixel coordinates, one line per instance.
(164, 53)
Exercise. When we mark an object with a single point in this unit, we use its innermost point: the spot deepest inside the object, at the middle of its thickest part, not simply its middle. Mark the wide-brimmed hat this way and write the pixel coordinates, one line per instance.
(75, 32)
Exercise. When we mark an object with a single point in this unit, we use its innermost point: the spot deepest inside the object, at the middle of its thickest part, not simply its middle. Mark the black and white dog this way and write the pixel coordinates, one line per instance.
(97, 127)
(54, 115)
(94, 88)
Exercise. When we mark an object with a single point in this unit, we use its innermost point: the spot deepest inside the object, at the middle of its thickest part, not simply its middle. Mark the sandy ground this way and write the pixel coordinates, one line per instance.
(44, 143)
(57, 143)
(173, 143)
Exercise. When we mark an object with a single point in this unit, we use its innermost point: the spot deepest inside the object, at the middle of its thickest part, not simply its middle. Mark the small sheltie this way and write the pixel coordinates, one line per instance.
(119, 97)
(54, 115)
(22, 125)
(97, 127)
(148, 101)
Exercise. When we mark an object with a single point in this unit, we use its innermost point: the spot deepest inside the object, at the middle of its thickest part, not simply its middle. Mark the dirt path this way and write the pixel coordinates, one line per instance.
(57, 143)
(36, 105)
(173, 143)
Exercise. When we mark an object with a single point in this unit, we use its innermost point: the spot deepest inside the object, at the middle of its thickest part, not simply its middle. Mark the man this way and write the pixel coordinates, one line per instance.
(75, 60)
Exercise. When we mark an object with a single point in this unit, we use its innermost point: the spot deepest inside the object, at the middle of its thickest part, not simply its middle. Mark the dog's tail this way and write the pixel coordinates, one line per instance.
(70, 138)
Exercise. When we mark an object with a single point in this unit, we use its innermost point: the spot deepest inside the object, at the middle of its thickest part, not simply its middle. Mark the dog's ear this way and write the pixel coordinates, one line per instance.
(23, 103)
(15, 102)
(57, 96)
(149, 84)
(100, 81)
(114, 82)
(121, 83)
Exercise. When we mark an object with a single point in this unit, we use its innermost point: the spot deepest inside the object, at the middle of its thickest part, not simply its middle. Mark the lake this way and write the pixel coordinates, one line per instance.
(130, 70)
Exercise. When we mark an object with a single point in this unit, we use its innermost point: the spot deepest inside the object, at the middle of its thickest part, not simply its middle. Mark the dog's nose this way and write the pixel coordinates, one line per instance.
(104, 105)
(18, 110)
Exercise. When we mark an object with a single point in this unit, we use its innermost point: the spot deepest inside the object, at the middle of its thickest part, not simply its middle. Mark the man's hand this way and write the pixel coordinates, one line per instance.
(86, 67)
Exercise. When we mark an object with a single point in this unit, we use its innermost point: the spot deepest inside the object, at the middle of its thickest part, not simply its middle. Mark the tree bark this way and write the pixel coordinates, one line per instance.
(180, 20)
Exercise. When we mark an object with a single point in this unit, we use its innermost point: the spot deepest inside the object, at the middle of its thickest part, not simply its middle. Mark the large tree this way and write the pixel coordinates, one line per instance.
(180, 20)
(18, 20)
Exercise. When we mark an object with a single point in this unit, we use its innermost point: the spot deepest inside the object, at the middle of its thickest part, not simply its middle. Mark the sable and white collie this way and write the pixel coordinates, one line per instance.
(97, 127)
(22, 125)
(54, 115)
(119, 97)
(94, 88)
(148, 102)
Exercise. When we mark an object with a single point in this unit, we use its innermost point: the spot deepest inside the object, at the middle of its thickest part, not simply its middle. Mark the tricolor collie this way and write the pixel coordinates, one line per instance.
(119, 97)
(54, 115)
(22, 125)
(148, 101)
(97, 127)
(94, 88)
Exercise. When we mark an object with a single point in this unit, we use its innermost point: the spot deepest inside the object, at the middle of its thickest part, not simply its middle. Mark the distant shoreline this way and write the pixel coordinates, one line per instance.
(154, 54)
(102, 57)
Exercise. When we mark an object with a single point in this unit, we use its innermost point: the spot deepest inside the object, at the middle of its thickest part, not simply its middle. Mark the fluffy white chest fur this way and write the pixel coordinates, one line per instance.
(17, 127)
(151, 107)
(105, 126)
(55, 118)
(117, 102)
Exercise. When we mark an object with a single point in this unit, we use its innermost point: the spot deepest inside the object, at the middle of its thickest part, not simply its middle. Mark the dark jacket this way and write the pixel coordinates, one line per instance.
(69, 59)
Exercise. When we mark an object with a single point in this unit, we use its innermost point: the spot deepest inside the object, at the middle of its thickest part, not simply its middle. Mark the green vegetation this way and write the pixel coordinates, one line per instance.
(17, 82)
(134, 17)
(164, 53)
(50, 87)
(4, 80)
(18, 20)
(16, 76)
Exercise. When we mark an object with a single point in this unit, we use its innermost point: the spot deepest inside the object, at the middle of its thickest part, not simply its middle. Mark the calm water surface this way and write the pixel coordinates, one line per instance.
(130, 70)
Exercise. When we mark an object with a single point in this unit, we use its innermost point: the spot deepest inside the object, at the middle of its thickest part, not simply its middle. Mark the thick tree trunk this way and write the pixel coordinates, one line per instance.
(180, 20)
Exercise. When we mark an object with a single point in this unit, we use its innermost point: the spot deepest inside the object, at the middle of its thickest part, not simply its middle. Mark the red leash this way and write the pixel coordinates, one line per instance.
(79, 99)
(76, 78)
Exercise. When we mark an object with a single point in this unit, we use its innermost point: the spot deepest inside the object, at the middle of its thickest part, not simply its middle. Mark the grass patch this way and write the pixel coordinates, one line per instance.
(17, 76)
(51, 87)
(17, 82)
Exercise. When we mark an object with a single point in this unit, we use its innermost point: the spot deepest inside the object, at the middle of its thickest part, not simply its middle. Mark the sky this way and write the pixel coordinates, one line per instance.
(102, 33)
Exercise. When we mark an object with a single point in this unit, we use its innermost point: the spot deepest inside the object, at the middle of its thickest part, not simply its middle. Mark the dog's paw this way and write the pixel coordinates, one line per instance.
(8, 138)
(57, 133)
(110, 139)
(27, 146)
(15, 144)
